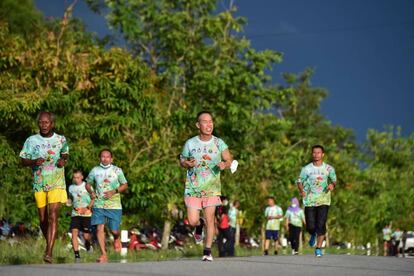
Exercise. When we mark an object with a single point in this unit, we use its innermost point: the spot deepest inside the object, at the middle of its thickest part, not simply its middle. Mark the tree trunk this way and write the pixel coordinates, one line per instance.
(166, 234)
(327, 243)
(237, 235)
(263, 236)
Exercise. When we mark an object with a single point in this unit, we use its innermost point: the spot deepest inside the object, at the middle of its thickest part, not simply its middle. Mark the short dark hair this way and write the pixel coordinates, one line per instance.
(271, 197)
(105, 149)
(204, 112)
(77, 171)
(318, 147)
(49, 114)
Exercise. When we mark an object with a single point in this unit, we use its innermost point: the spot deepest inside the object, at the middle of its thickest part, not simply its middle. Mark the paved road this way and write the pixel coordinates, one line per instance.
(256, 266)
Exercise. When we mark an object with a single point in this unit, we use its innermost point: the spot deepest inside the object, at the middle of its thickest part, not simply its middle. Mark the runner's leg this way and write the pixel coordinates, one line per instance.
(52, 226)
(209, 218)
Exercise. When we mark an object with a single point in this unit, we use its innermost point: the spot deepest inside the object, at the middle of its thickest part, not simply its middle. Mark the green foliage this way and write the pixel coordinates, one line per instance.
(22, 17)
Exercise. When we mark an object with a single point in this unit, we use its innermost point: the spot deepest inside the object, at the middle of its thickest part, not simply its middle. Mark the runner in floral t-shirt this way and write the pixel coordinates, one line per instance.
(204, 156)
(273, 214)
(109, 182)
(81, 212)
(315, 183)
(47, 153)
(294, 219)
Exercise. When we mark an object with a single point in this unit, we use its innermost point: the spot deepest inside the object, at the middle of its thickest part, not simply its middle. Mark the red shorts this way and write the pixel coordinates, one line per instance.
(200, 203)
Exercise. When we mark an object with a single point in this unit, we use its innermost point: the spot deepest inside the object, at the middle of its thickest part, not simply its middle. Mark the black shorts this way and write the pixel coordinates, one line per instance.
(316, 218)
(81, 223)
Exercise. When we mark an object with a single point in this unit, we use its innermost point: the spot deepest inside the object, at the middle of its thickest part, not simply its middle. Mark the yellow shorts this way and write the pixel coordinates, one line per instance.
(54, 196)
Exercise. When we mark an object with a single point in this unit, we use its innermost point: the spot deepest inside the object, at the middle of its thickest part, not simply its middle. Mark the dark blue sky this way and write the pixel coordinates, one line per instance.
(362, 52)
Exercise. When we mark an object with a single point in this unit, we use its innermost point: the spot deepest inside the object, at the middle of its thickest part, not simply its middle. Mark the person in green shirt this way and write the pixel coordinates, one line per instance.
(386, 237)
(82, 204)
(110, 182)
(47, 153)
(273, 214)
(233, 213)
(316, 182)
(204, 156)
(397, 236)
(294, 220)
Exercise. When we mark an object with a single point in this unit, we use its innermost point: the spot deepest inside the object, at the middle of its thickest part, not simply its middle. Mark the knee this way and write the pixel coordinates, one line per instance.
(193, 221)
(310, 228)
(52, 218)
(321, 229)
(209, 220)
(100, 228)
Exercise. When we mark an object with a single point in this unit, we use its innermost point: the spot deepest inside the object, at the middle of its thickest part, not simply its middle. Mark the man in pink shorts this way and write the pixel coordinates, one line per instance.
(204, 156)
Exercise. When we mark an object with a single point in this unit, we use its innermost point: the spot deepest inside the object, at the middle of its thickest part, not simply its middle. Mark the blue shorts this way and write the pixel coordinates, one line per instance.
(272, 234)
(110, 216)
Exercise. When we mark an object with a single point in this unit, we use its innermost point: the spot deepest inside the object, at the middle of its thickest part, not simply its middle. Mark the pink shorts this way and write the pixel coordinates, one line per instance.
(201, 202)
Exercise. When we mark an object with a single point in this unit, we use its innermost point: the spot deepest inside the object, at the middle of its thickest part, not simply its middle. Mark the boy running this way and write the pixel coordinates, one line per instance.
(81, 213)
(273, 214)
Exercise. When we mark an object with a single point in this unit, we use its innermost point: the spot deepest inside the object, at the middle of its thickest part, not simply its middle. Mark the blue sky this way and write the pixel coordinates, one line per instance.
(362, 52)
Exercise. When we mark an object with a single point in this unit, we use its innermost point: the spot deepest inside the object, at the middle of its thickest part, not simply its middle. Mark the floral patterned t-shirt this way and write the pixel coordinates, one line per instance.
(47, 176)
(106, 179)
(204, 179)
(80, 200)
(315, 181)
(273, 211)
(295, 218)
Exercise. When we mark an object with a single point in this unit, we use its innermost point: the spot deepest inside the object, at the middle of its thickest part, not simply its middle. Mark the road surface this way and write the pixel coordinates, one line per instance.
(264, 265)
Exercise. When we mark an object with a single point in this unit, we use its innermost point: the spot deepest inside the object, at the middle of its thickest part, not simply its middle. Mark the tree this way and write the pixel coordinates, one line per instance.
(22, 16)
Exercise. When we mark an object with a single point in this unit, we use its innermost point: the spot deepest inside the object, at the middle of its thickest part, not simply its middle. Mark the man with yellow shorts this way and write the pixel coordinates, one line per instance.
(47, 153)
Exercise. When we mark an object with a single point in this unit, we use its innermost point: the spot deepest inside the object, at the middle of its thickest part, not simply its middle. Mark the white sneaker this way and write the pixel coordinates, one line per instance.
(207, 258)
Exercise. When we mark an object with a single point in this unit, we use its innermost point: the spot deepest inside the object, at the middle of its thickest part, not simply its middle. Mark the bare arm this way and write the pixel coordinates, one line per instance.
(92, 194)
(227, 159)
(120, 189)
(31, 163)
(301, 191)
(62, 160)
(188, 163)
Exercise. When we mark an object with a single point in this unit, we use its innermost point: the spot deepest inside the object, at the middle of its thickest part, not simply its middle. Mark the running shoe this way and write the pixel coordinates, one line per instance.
(207, 258)
(312, 240)
(198, 238)
(77, 260)
(318, 252)
(102, 259)
(198, 232)
(48, 259)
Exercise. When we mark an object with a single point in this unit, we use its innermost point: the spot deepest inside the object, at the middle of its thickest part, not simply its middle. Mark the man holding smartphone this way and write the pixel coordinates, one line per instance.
(204, 156)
